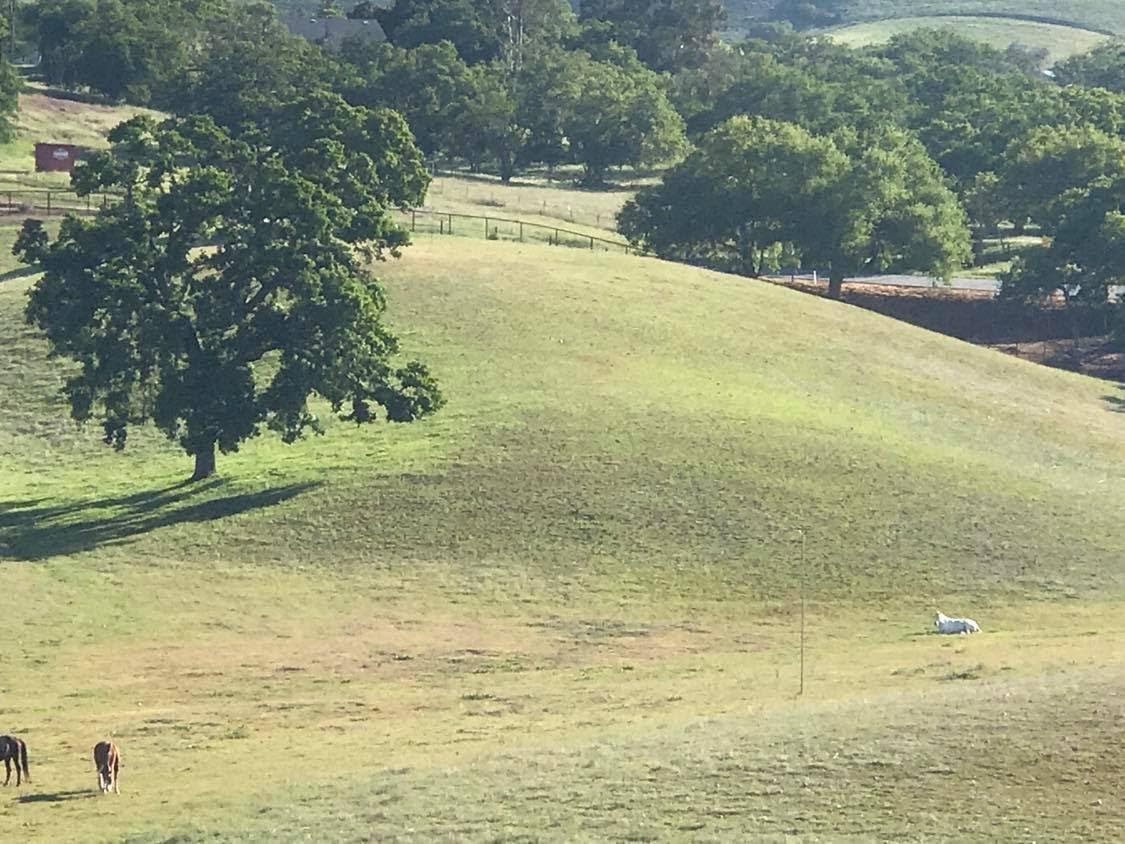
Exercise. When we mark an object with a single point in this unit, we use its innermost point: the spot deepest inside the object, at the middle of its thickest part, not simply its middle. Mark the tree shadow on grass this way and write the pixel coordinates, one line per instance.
(30, 530)
(1115, 403)
(20, 272)
(57, 796)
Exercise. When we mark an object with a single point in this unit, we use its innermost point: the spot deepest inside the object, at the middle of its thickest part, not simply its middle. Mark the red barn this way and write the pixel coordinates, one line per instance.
(56, 158)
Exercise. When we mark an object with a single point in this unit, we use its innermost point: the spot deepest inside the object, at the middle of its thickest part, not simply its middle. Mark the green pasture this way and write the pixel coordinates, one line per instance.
(533, 200)
(566, 608)
(1105, 15)
(1061, 42)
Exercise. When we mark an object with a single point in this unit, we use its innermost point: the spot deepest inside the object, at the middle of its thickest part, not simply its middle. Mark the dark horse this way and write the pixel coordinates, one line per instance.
(107, 759)
(12, 750)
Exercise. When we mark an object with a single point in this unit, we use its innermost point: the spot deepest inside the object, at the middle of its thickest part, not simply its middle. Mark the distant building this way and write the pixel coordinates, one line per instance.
(334, 30)
(56, 158)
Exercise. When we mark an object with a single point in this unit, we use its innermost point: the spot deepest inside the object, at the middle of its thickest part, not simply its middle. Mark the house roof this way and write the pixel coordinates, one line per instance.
(334, 30)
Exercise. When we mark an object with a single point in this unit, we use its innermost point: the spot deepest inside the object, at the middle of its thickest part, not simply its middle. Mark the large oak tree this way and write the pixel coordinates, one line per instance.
(229, 286)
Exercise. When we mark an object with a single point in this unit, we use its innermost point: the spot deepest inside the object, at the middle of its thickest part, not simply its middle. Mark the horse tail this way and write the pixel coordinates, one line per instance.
(23, 760)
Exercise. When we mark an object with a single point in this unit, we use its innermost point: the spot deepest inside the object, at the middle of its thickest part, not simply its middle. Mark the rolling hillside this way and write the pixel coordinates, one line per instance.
(1061, 42)
(566, 607)
(1105, 17)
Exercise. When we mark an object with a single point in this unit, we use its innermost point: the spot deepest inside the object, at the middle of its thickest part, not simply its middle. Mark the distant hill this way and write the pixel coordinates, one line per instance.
(1059, 41)
(1098, 15)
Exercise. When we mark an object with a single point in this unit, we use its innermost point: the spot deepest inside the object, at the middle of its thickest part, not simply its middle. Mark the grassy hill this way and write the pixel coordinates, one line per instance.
(1061, 42)
(566, 607)
(1104, 15)
(1049, 23)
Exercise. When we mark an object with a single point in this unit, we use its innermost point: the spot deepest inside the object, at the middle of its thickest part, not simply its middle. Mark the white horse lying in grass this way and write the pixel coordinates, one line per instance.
(945, 624)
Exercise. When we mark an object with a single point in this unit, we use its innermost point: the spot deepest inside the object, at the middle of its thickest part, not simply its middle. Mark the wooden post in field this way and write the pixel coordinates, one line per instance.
(801, 690)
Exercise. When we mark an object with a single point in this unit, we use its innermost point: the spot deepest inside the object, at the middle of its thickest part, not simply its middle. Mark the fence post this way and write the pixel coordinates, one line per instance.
(486, 228)
(521, 232)
(48, 203)
(413, 220)
(451, 222)
(558, 240)
(87, 203)
(10, 206)
(591, 244)
(105, 200)
(441, 226)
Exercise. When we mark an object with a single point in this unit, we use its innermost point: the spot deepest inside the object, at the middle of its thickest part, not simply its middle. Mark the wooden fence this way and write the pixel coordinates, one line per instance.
(50, 201)
(432, 221)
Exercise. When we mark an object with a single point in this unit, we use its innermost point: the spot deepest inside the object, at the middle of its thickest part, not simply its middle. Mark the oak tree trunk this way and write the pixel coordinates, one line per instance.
(204, 463)
(835, 285)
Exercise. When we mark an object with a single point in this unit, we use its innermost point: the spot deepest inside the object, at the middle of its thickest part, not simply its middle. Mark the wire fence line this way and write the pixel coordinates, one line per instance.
(50, 202)
(433, 221)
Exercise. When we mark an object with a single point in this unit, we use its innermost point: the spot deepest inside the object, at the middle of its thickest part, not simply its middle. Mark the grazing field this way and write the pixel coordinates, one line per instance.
(566, 607)
(1103, 15)
(1061, 42)
(532, 200)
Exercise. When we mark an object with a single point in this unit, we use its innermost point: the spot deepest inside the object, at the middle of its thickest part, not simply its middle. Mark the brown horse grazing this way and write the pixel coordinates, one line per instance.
(12, 750)
(107, 759)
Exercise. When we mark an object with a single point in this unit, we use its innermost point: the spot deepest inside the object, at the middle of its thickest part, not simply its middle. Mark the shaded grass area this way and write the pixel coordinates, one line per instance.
(1061, 42)
(565, 607)
(34, 531)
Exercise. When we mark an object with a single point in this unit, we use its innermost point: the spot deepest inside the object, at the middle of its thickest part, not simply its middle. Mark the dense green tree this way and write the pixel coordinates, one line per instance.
(818, 85)
(668, 35)
(805, 14)
(250, 65)
(466, 24)
(858, 204)
(746, 187)
(1095, 107)
(1102, 67)
(528, 27)
(613, 115)
(225, 290)
(892, 211)
(429, 85)
(10, 86)
(124, 50)
(491, 123)
(1084, 259)
(1042, 168)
